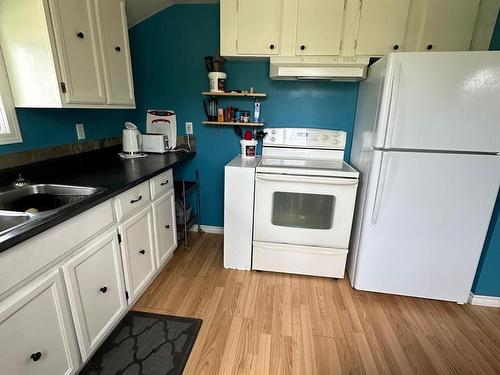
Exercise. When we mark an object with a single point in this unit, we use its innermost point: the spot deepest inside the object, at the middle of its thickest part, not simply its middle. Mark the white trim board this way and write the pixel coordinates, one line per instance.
(208, 229)
(478, 300)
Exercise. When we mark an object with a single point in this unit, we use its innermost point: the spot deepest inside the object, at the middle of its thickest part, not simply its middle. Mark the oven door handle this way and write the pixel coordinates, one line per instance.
(313, 180)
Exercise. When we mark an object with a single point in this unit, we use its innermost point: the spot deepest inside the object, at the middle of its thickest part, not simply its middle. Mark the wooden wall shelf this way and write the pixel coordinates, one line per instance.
(233, 123)
(235, 94)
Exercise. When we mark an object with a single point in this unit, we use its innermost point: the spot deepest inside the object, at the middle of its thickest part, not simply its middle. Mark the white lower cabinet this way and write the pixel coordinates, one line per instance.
(137, 247)
(94, 279)
(164, 227)
(36, 333)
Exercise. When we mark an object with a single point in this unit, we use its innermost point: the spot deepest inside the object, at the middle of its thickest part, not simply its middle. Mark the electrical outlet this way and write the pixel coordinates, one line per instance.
(189, 128)
(80, 131)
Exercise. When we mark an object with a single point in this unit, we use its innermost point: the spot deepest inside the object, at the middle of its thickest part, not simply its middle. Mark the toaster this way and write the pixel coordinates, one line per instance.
(157, 143)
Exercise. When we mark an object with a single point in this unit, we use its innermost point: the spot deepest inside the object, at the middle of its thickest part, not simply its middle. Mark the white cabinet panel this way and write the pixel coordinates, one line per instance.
(164, 227)
(319, 27)
(259, 27)
(36, 330)
(138, 251)
(78, 50)
(382, 25)
(112, 20)
(161, 184)
(94, 279)
(448, 25)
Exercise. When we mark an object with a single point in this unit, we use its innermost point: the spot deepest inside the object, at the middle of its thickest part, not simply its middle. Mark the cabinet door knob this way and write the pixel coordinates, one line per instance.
(118, 49)
(395, 47)
(142, 251)
(271, 46)
(167, 226)
(36, 356)
(104, 289)
(80, 35)
(429, 47)
(136, 200)
(302, 47)
(164, 183)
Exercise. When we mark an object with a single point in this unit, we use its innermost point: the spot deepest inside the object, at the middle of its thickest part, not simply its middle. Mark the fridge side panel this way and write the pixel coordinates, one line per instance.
(368, 165)
(445, 101)
(427, 220)
(370, 110)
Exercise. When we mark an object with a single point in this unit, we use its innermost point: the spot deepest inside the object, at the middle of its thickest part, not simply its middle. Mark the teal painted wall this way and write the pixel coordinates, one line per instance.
(487, 281)
(168, 50)
(49, 127)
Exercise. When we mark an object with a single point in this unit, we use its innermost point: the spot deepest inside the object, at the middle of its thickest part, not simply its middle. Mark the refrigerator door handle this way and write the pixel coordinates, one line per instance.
(380, 187)
(396, 77)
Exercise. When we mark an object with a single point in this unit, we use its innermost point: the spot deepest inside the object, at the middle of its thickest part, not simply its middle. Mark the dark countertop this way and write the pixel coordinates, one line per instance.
(101, 168)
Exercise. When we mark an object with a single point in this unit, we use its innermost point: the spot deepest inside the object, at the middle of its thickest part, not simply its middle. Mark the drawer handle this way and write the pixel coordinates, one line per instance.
(136, 200)
(167, 226)
(80, 35)
(36, 356)
(142, 251)
(118, 49)
(164, 183)
(104, 289)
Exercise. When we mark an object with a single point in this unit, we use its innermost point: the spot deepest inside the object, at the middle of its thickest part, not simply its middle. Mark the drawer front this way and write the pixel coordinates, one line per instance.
(302, 260)
(132, 200)
(161, 184)
(36, 331)
(137, 248)
(164, 226)
(55, 242)
(94, 279)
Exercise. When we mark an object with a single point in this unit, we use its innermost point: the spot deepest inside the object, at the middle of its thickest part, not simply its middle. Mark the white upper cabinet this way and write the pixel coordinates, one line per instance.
(78, 51)
(347, 28)
(112, 19)
(65, 55)
(319, 27)
(442, 25)
(381, 27)
(259, 27)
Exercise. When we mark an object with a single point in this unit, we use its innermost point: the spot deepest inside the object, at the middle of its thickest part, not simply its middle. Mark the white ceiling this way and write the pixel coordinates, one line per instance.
(139, 10)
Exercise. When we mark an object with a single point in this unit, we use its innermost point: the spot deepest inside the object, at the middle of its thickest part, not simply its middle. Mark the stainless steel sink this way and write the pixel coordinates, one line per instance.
(21, 205)
(11, 220)
(42, 197)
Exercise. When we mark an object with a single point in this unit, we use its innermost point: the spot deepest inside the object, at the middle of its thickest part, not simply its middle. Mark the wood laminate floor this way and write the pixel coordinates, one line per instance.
(270, 323)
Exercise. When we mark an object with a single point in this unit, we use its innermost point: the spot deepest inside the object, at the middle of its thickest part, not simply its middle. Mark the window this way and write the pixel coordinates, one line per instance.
(9, 127)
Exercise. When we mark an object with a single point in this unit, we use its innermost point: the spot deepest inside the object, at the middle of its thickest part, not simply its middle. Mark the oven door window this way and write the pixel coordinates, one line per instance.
(299, 210)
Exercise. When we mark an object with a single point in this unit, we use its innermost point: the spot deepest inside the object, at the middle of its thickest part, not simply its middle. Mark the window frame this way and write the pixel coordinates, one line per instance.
(9, 107)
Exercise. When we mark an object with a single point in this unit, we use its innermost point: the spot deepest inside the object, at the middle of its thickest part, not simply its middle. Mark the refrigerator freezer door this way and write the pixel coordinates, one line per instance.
(424, 222)
(440, 101)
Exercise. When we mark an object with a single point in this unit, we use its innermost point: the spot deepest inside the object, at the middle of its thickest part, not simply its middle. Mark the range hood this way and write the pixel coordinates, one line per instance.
(344, 69)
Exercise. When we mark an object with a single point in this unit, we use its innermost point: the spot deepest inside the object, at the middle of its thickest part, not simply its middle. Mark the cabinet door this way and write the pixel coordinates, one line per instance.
(382, 25)
(78, 51)
(113, 32)
(259, 27)
(164, 222)
(448, 25)
(319, 27)
(138, 251)
(94, 279)
(36, 333)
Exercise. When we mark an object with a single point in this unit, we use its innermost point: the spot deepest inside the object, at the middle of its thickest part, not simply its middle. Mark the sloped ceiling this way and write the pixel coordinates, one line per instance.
(139, 10)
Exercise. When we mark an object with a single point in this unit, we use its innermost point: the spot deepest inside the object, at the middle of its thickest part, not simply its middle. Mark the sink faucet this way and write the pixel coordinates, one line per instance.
(20, 181)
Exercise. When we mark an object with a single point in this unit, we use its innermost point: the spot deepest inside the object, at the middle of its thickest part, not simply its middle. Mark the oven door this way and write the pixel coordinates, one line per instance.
(303, 210)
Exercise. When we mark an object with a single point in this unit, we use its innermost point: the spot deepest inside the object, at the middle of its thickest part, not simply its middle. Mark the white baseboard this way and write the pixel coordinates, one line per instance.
(208, 229)
(475, 299)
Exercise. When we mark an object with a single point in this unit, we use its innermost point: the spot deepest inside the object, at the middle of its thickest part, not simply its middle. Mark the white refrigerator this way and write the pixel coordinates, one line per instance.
(426, 143)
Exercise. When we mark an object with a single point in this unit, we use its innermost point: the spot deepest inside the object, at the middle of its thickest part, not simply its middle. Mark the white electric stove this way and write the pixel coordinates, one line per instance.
(304, 203)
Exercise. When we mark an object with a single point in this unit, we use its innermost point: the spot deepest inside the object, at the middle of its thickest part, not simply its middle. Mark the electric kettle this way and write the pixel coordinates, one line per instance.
(132, 139)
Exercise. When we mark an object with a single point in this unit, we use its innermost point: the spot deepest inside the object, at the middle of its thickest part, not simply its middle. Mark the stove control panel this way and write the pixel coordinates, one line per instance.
(306, 138)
